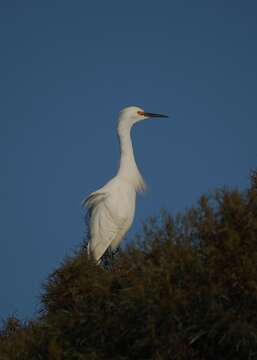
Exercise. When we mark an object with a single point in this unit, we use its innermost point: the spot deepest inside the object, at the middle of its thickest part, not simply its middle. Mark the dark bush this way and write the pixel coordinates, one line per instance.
(185, 289)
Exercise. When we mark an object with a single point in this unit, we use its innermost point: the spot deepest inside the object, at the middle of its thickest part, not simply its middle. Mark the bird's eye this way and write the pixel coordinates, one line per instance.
(140, 113)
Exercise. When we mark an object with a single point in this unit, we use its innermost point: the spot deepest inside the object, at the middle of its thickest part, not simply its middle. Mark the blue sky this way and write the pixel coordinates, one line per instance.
(66, 70)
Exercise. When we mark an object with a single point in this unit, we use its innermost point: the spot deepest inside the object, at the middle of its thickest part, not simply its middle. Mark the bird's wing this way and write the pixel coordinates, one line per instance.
(104, 225)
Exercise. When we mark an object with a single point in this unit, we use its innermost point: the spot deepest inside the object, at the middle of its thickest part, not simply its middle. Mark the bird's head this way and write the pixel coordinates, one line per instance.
(133, 114)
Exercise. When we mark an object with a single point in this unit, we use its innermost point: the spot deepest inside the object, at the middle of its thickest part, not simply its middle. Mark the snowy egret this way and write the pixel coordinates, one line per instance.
(112, 207)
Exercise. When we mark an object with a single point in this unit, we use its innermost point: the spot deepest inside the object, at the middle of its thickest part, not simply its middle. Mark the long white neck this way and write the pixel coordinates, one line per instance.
(128, 169)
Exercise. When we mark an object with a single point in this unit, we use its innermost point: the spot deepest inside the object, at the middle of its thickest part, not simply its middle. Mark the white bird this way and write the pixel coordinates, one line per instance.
(112, 207)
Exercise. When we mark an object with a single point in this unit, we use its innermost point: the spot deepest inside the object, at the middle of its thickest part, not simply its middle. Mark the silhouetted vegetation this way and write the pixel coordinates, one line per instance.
(185, 289)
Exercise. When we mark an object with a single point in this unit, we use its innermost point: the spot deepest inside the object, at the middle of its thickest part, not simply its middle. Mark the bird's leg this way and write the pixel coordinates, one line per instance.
(115, 251)
(108, 259)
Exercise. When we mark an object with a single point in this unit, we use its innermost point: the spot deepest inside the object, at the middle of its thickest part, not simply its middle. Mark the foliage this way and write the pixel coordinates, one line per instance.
(185, 289)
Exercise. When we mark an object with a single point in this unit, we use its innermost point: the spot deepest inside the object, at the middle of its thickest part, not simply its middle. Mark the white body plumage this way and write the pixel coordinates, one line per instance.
(112, 207)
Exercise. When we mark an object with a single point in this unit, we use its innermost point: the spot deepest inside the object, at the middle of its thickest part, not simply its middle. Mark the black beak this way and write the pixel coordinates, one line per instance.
(151, 115)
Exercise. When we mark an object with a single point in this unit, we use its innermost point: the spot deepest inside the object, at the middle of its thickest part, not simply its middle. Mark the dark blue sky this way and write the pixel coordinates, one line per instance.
(66, 70)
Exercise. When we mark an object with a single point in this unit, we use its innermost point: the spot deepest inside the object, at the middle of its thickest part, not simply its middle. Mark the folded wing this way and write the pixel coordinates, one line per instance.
(105, 227)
